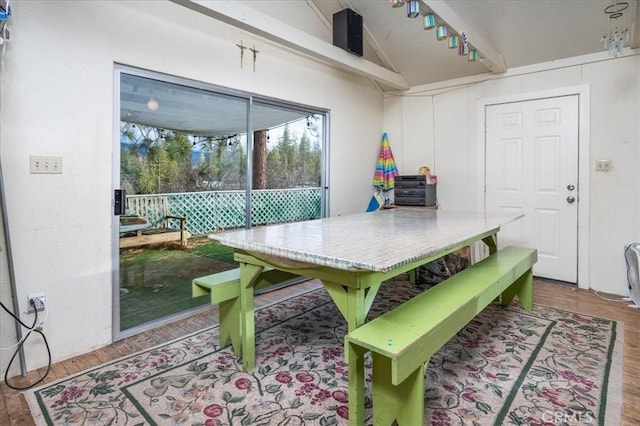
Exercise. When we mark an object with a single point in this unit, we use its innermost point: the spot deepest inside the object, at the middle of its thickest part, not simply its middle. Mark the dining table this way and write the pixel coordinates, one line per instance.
(351, 255)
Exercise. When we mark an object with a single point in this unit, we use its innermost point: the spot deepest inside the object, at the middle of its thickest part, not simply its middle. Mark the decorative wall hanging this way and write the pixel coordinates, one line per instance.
(453, 41)
(413, 9)
(442, 32)
(463, 49)
(5, 12)
(255, 54)
(618, 28)
(429, 21)
(242, 48)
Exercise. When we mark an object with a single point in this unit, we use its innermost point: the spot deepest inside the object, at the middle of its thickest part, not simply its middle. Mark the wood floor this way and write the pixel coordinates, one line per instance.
(14, 410)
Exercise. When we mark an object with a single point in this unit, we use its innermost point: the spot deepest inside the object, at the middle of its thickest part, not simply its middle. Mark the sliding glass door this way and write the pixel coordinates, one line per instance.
(193, 159)
(287, 164)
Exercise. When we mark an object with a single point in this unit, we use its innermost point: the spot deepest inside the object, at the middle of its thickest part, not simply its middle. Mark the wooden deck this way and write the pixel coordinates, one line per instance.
(153, 236)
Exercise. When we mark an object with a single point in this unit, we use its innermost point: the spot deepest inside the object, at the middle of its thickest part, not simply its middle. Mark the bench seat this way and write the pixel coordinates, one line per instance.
(224, 290)
(403, 340)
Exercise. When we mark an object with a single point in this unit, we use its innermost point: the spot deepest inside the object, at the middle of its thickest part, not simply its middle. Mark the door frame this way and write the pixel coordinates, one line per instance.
(584, 96)
(250, 97)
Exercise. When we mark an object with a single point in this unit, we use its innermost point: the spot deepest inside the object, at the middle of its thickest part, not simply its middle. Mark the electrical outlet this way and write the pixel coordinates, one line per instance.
(38, 302)
(603, 165)
(45, 164)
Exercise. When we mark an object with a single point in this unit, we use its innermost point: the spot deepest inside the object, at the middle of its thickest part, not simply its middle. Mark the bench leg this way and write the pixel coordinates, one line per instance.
(523, 287)
(492, 243)
(229, 319)
(404, 402)
(355, 359)
(248, 277)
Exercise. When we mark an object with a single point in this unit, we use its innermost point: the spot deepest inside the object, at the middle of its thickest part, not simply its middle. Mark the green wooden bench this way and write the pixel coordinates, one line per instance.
(224, 288)
(403, 340)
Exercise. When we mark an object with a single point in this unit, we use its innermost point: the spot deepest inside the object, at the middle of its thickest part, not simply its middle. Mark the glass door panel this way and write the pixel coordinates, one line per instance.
(287, 164)
(183, 167)
(187, 167)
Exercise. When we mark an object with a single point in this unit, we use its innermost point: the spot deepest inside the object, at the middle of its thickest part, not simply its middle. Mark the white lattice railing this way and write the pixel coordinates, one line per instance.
(212, 211)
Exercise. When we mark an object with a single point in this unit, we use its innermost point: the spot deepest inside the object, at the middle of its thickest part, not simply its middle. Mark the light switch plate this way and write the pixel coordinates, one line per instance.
(45, 164)
(603, 165)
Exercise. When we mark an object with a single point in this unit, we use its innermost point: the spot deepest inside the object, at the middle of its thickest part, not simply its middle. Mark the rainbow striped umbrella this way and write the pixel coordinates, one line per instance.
(386, 170)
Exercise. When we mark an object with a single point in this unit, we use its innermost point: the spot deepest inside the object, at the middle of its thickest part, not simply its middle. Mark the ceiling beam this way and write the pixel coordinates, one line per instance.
(492, 58)
(257, 23)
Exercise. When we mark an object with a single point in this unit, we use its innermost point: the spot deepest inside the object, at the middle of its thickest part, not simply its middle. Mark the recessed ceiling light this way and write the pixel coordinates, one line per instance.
(153, 104)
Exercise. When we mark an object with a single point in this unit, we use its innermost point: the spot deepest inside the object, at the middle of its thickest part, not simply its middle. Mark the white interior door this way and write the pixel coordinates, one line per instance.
(532, 167)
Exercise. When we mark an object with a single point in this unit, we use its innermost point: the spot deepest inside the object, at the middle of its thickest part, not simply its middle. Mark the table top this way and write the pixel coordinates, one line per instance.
(376, 241)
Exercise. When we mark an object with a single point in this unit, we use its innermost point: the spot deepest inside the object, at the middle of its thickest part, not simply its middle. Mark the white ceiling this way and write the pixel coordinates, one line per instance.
(515, 32)
(398, 52)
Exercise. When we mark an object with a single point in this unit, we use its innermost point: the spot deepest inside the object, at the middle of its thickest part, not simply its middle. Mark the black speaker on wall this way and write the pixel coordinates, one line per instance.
(347, 31)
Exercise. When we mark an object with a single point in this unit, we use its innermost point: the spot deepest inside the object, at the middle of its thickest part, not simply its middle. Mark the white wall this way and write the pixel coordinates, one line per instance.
(613, 198)
(57, 99)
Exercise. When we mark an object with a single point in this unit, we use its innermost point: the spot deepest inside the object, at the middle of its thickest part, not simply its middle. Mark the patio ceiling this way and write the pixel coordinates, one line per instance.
(195, 111)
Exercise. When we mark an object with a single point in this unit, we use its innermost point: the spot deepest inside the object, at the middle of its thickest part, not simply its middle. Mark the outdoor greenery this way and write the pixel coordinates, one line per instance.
(293, 162)
(156, 281)
(155, 161)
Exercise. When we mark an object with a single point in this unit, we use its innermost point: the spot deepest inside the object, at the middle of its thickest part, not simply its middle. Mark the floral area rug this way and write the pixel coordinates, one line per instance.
(507, 366)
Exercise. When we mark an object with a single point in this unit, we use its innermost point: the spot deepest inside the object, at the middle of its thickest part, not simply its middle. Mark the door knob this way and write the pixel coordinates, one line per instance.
(570, 199)
(571, 187)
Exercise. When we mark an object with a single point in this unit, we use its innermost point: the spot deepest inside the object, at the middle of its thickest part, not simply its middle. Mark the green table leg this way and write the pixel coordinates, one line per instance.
(492, 242)
(353, 303)
(356, 310)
